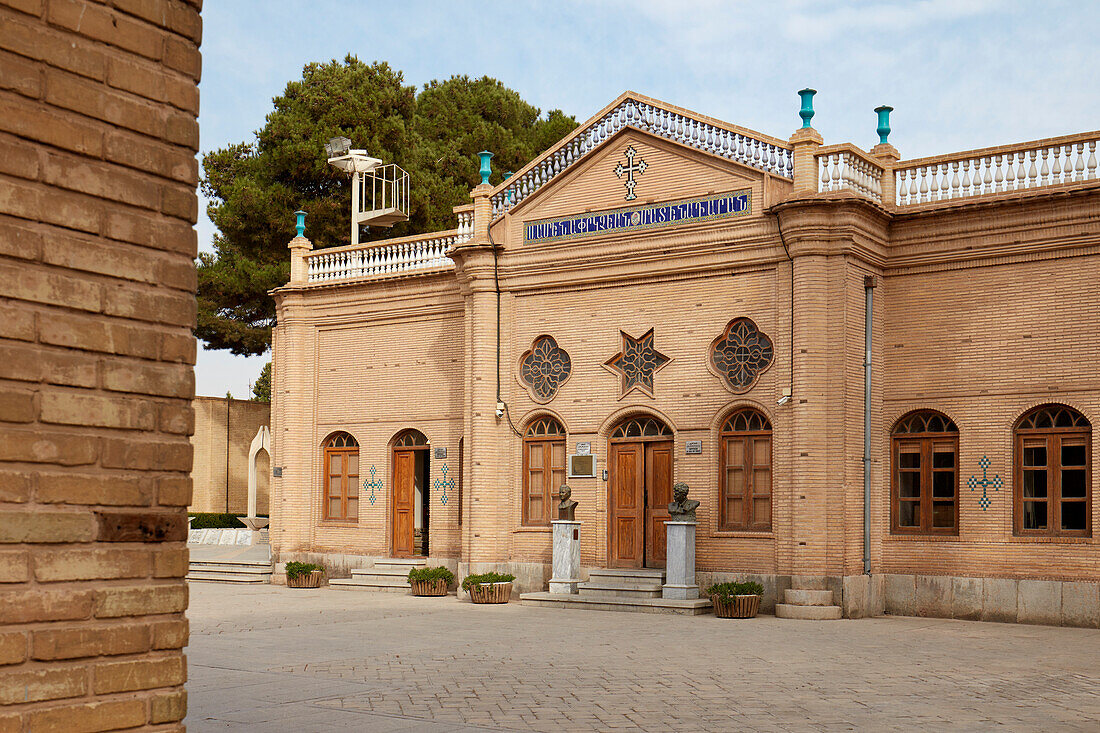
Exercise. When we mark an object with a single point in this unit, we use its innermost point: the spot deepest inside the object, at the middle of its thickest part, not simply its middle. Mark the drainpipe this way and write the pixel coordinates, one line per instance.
(869, 294)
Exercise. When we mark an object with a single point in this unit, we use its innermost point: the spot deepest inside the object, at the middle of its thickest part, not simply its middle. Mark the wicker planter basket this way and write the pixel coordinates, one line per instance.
(311, 579)
(736, 607)
(491, 592)
(437, 587)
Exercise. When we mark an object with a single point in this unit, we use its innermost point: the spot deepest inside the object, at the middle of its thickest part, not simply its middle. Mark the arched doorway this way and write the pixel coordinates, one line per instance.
(639, 490)
(410, 501)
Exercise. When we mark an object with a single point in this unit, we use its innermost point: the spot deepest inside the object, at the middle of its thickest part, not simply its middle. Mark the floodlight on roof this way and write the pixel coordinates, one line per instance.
(337, 146)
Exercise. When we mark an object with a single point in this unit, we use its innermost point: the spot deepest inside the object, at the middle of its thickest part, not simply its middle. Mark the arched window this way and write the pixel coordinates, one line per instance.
(1052, 493)
(543, 469)
(925, 483)
(410, 439)
(641, 427)
(341, 466)
(745, 465)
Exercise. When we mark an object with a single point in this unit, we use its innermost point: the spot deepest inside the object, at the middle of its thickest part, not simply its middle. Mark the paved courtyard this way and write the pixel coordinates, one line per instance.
(269, 658)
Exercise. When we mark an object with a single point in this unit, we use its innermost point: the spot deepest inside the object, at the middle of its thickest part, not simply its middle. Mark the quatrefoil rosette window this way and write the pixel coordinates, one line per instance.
(740, 355)
(544, 368)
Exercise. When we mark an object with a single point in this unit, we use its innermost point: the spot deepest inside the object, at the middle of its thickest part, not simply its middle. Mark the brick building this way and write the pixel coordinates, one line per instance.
(224, 433)
(98, 136)
(687, 300)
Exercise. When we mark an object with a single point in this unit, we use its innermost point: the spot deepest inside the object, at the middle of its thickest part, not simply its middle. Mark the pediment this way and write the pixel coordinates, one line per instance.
(636, 170)
(633, 113)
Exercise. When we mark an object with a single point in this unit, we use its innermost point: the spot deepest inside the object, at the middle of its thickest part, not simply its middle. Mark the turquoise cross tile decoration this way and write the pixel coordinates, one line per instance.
(372, 483)
(985, 482)
(447, 482)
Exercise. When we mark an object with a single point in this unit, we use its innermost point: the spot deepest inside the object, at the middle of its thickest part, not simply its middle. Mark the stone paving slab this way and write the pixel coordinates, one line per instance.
(273, 658)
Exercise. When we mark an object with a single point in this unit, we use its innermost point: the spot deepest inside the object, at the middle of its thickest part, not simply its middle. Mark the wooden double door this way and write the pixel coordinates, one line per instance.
(640, 488)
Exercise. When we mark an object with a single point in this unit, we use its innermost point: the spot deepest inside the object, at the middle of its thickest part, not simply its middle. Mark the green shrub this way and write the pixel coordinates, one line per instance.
(431, 574)
(726, 591)
(213, 520)
(486, 578)
(298, 569)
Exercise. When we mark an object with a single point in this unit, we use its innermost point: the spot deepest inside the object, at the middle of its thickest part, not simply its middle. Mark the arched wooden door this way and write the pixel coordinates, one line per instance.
(410, 474)
(640, 489)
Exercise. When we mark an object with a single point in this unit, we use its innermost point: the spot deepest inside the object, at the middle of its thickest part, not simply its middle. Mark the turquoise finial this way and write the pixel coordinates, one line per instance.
(486, 169)
(301, 225)
(883, 129)
(807, 111)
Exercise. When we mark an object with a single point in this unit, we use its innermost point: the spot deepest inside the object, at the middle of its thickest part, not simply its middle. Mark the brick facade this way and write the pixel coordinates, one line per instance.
(981, 311)
(98, 135)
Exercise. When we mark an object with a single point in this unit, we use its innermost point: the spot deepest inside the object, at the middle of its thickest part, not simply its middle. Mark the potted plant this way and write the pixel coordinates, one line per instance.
(430, 581)
(736, 600)
(303, 575)
(489, 587)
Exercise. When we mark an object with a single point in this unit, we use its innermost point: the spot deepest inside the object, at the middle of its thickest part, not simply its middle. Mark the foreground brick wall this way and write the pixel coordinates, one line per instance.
(98, 133)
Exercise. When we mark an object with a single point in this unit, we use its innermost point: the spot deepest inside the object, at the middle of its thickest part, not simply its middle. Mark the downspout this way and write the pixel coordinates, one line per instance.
(869, 297)
(503, 406)
(228, 409)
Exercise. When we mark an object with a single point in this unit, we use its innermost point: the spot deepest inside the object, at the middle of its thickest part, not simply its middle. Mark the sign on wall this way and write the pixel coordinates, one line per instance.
(650, 216)
(693, 447)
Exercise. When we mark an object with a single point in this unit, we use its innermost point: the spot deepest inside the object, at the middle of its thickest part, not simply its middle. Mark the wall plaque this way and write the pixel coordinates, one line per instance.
(582, 466)
(440, 452)
(276, 471)
(583, 449)
(693, 447)
(689, 211)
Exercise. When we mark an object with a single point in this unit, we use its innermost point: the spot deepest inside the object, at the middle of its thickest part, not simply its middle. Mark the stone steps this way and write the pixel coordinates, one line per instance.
(808, 604)
(612, 583)
(231, 567)
(612, 589)
(214, 576)
(586, 590)
(695, 607)
(388, 576)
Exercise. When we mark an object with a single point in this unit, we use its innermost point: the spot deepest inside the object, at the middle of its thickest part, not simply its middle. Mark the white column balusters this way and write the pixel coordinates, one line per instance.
(985, 174)
(844, 170)
(381, 260)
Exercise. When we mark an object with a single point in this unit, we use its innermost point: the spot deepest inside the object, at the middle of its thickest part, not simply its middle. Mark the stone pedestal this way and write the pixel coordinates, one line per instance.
(680, 562)
(567, 556)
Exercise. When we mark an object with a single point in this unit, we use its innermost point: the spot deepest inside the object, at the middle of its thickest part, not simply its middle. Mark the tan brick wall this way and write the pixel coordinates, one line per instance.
(224, 430)
(984, 345)
(414, 348)
(98, 135)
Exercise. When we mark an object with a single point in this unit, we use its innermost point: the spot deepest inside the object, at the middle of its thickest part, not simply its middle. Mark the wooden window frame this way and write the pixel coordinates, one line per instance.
(748, 470)
(346, 480)
(1054, 437)
(926, 441)
(545, 443)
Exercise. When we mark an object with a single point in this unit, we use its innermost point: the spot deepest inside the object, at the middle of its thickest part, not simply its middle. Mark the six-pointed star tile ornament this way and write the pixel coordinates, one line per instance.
(637, 363)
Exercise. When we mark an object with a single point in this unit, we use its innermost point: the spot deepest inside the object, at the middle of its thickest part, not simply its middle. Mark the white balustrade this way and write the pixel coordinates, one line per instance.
(735, 146)
(847, 170)
(397, 258)
(999, 171)
(465, 226)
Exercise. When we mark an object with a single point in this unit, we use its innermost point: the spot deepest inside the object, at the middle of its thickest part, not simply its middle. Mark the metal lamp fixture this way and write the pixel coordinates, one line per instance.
(337, 146)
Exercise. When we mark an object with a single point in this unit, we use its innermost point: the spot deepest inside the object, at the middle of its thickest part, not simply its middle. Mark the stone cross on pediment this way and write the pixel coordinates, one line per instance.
(630, 169)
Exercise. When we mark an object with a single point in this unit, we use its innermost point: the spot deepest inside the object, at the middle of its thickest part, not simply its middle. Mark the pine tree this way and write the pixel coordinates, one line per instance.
(254, 188)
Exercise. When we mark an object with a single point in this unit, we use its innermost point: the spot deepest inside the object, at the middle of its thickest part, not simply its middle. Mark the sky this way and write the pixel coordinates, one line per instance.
(960, 74)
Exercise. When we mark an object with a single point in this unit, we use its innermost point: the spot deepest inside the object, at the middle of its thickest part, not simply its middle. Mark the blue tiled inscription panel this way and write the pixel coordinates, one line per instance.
(704, 208)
